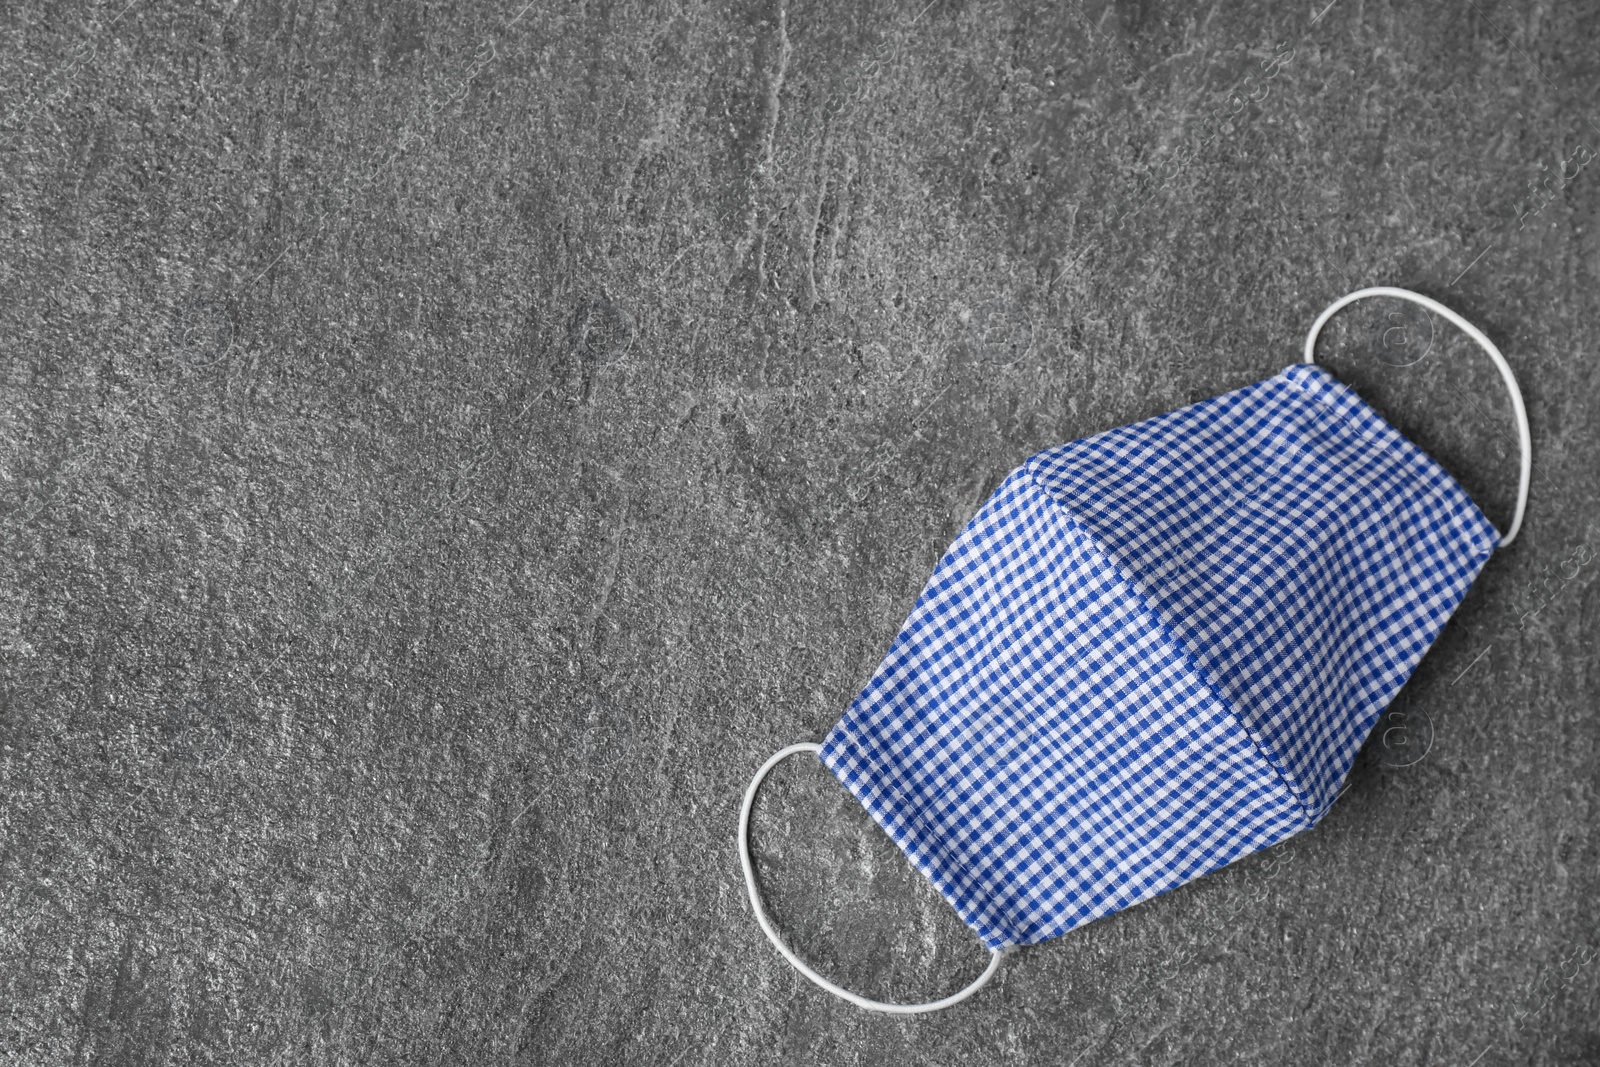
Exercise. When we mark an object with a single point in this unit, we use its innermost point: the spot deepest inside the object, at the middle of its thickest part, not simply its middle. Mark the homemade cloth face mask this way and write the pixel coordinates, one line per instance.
(1154, 651)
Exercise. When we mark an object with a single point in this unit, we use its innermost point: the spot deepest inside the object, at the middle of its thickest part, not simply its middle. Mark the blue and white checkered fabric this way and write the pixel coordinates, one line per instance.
(1156, 650)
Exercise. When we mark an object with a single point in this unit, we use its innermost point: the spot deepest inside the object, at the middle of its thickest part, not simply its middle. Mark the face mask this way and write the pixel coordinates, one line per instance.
(1154, 651)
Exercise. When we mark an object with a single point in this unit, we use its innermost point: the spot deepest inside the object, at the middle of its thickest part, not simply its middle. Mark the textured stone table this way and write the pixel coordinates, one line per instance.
(446, 448)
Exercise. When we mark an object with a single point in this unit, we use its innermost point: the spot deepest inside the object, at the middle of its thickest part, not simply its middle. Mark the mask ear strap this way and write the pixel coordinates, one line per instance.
(1525, 439)
(788, 954)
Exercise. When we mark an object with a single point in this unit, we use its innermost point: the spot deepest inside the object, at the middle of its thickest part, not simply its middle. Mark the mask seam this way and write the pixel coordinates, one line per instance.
(1289, 786)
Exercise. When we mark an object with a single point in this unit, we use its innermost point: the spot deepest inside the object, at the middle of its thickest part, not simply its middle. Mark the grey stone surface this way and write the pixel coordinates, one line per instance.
(447, 448)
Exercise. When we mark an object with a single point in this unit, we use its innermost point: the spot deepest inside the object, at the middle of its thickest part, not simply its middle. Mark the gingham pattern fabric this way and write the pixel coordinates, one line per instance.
(1156, 650)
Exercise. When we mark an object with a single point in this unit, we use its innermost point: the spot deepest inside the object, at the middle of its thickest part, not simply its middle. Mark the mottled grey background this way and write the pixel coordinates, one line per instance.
(448, 447)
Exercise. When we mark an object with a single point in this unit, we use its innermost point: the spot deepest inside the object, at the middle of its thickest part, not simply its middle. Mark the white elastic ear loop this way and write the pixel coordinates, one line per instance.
(1523, 436)
(788, 954)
